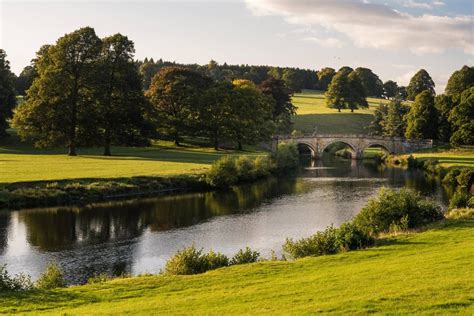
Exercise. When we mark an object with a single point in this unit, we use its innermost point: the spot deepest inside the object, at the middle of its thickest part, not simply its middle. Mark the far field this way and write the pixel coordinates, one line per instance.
(447, 158)
(312, 110)
(423, 273)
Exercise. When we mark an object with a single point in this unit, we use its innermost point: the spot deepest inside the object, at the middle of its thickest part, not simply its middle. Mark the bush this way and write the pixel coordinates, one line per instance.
(321, 243)
(99, 278)
(52, 278)
(392, 207)
(431, 166)
(412, 162)
(215, 260)
(262, 166)
(245, 169)
(451, 177)
(465, 179)
(223, 173)
(461, 213)
(193, 261)
(351, 237)
(286, 157)
(245, 256)
(19, 282)
(460, 199)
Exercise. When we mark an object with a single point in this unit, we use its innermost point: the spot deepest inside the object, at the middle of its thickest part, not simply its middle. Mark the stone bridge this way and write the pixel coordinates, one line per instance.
(317, 143)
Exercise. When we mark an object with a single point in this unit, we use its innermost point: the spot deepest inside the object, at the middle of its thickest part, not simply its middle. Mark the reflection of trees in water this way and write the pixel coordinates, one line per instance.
(4, 225)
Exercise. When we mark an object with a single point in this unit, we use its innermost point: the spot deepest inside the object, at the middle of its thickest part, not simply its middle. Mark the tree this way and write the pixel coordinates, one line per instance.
(462, 119)
(275, 72)
(345, 69)
(346, 91)
(59, 103)
(25, 79)
(444, 105)
(394, 124)
(283, 108)
(376, 126)
(422, 118)
(372, 84)
(390, 89)
(293, 79)
(121, 107)
(7, 93)
(252, 111)
(420, 82)
(459, 81)
(402, 93)
(325, 76)
(175, 93)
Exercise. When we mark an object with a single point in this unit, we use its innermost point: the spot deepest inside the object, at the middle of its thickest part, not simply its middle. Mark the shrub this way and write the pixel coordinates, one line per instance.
(465, 179)
(99, 278)
(431, 166)
(461, 213)
(215, 260)
(223, 173)
(245, 256)
(52, 278)
(451, 177)
(245, 168)
(321, 243)
(193, 261)
(351, 237)
(19, 282)
(390, 207)
(412, 162)
(262, 166)
(286, 157)
(460, 199)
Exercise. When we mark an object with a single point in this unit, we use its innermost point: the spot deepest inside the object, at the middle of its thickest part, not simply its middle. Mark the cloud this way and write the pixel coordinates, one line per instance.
(375, 25)
(325, 42)
(417, 5)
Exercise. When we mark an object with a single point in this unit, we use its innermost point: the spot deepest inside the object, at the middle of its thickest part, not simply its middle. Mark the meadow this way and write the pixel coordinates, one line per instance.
(420, 273)
(446, 157)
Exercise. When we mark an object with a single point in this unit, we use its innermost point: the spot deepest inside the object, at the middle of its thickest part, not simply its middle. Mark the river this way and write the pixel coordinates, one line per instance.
(138, 236)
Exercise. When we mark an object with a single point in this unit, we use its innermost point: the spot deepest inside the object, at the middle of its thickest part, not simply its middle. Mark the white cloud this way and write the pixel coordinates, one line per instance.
(331, 42)
(438, 3)
(417, 5)
(375, 25)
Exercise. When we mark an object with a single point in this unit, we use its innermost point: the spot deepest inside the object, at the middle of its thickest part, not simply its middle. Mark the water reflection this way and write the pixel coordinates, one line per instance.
(137, 236)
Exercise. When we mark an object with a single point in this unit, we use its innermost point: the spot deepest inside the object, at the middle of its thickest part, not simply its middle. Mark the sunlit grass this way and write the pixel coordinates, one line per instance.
(447, 158)
(422, 273)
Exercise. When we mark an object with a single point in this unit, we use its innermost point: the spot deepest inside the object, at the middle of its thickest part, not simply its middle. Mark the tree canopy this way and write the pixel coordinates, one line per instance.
(459, 81)
(346, 91)
(371, 83)
(462, 119)
(420, 82)
(7, 93)
(423, 118)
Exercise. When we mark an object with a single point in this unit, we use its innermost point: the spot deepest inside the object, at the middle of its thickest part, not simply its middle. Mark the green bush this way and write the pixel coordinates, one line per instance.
(193, 261)
(412, 162)
(286, 157)
(431, 166)
(245, 169)
(451, 177)
(99, 278)
(52, 278)
(223, 173)
(215, 260)
(465, 179)
(19, 282)
(245, 256)
(321, 243)
(460, 199)
(391, 207)
(351, 237)
(262, 166)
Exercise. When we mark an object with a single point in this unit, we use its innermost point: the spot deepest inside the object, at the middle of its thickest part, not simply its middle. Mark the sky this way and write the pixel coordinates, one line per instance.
(394, 38)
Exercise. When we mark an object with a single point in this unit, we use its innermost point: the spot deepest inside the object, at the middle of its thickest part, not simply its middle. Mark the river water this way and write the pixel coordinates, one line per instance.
(138, 236)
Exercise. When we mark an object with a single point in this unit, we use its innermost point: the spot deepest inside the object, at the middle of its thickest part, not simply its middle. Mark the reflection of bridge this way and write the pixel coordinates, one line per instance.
(317, 143)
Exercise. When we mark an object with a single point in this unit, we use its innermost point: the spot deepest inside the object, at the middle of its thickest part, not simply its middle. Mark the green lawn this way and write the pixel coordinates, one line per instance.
(422, 273)
(312, 110)
(21, 162)
(447, 158)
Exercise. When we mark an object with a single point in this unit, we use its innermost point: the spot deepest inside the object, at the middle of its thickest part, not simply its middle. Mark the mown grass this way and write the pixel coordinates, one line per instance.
(420, 273)
(21, 162)
(312, 110)
(446, 157)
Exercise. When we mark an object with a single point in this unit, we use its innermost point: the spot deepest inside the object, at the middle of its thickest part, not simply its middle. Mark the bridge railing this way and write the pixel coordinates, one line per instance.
(385, 138)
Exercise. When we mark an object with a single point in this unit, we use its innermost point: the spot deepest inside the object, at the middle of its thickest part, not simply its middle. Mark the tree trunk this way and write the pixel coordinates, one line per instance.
(72, 129)
(72, 148)
(176, 139)
(352, 110)
(239, 145)
(107, 145)
(216, 141)
(339, 109)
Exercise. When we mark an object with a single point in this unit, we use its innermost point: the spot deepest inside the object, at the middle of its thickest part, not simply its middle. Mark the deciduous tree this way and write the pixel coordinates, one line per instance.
(325, 76)
(371, 82)
(7, 93)
(390, 89)
(420, 82)
(462, 119)
(423, 118)
(459, 81)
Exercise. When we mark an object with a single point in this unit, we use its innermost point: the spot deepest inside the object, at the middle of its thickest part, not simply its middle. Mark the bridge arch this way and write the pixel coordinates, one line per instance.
(306, 146)
(380, 145)
(353, 148)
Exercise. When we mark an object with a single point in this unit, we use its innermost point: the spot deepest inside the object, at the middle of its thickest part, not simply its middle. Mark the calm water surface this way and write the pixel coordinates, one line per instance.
(138, 236)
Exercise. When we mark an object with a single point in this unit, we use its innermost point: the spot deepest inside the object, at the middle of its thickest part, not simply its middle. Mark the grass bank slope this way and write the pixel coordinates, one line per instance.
(22, 162)
(447, 158)
(312, 110)
(423, 273)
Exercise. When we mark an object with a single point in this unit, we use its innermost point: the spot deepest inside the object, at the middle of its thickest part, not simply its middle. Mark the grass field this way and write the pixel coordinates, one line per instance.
(422, 273)
(312, 110)
(447, 158)
(21, 162)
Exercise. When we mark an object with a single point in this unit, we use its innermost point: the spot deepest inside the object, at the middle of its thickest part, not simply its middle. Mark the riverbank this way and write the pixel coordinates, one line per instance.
(447, 157)
(427, 272)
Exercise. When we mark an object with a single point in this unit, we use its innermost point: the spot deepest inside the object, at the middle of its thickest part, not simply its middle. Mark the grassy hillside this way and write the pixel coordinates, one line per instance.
(22, 162)
(312, 110)
(447, 158)
(423, 273)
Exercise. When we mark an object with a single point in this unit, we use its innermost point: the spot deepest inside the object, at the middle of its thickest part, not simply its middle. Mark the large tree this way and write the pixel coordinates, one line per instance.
(7, 93)
(423, 118)
(175, 93)
(376, 126)
(346, 91)
(121, 107)
(325, 76)
(394, 124)
(371, 82)
(459, 81)
(444, 105)
(59, 101)
(25, 79)
(462, 119)
(283, 108)
(420, 82)
(390, 89)
(293, 78)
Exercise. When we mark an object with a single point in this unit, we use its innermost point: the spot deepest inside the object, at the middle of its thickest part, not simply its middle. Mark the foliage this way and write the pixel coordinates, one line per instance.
(346, 91)
(321, 243)
(223, 173)
(351, 237)
(186, 261)
(52, 278)
(19, 282)
(215, 260)
(293, 79)
(391, 206)
(461, 213)
(7, 93)
(420, 82)
(246, 168)
(444, 106)
(25, 79)
(462, 119)
(394, 124)
(376, 125)
(245, 256)
(371, 83)
(465, 179)
(325, 76)
(422, 118)
(450, 178)
(431, 166)
(390, 89)
(460, 199)
(460, 81)
(286, 157)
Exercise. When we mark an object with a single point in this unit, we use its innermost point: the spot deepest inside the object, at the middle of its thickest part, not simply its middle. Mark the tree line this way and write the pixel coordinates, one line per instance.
(448, 117)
